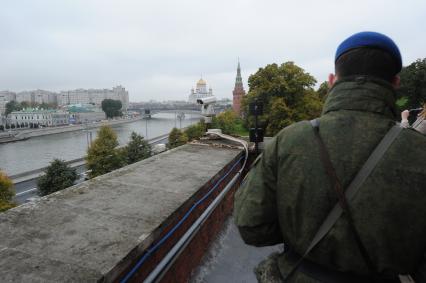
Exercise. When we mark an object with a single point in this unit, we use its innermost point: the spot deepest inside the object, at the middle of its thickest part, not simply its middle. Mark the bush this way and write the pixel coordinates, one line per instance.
(177, 138)
(6, 192)
(57, 176)
(194, 132)
(226, 121)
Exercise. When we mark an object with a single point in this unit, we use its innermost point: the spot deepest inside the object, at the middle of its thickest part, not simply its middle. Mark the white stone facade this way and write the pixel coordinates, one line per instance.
(200, 91)
(45, 118)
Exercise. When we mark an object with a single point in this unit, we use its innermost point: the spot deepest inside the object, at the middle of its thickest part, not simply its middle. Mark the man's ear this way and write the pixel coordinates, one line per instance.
(396, 82)
(332, 78)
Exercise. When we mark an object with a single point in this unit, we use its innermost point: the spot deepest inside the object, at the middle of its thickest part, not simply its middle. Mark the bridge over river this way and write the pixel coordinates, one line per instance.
(178, 111)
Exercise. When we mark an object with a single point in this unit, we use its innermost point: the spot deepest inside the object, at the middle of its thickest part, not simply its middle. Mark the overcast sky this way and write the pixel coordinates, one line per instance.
(158, 49)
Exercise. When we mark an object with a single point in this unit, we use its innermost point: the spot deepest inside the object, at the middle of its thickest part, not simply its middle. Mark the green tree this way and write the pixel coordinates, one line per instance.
(6, 192)
(57, 176)
(102, 155)
(25, 104)
(280, 115)
(287, 81)
(412, 93)
(137, 149)
(309, 107)
(45, 106)
(12, 106)
(226, 121)
(112, 108)
(194, 132)
(322, 90)
(177, 138)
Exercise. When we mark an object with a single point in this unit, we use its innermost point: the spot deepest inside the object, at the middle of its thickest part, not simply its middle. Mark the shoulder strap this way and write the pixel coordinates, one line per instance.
(343, 202)
(352, 189)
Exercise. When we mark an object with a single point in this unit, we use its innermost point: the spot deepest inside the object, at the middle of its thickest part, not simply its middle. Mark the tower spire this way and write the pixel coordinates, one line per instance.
(238, 79)
(238, 92)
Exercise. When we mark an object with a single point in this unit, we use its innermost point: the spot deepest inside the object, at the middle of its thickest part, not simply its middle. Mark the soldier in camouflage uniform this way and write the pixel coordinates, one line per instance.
(287, 195)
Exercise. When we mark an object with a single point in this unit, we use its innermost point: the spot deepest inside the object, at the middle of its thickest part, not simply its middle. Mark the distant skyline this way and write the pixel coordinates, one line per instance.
(158, 49)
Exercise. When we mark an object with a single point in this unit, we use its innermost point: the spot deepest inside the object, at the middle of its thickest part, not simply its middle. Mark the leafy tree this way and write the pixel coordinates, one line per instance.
(6, 192)
(137, 149)
(309, 107)
(413, 85)
(57, 176)
(25, 104)
(45, 106)
(177, 138)
(226, 121)
(12, 106)
(112, 108)
(289, 82)
(102, 155)
(323, 91)
(194, 132)
(280, 115)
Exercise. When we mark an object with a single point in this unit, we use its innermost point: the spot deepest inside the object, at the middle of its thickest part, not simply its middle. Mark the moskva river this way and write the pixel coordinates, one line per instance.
(37, 152)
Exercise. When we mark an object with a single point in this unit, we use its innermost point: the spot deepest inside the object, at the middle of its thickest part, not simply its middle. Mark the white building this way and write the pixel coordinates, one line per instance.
(27, 117)
(200, 91)
(38, 96)
(43, 96)
(94, 96)
(27, 96)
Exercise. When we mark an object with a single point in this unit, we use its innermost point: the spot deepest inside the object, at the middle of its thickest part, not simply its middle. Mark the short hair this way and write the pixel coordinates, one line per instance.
(366, 61)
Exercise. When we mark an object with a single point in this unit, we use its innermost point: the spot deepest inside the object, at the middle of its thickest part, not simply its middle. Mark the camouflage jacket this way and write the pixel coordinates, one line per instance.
(287, 195)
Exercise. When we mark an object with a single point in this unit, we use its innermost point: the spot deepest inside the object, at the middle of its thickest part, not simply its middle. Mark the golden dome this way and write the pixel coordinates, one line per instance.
(201, 82)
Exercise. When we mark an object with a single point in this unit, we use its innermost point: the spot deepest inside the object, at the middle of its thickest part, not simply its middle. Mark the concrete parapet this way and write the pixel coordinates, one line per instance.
(97, 230)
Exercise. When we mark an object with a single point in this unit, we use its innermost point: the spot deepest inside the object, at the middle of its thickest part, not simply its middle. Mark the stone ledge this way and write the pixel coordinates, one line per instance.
(83, 232)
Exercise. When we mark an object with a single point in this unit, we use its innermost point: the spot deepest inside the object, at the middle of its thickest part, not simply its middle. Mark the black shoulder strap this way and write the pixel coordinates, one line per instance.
(346, 197)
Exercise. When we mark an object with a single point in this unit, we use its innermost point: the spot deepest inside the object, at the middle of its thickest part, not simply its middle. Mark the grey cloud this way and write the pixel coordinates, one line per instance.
(158, 49)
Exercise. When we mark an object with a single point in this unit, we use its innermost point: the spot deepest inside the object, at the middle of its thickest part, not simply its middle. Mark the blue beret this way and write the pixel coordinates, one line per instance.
(370, 39)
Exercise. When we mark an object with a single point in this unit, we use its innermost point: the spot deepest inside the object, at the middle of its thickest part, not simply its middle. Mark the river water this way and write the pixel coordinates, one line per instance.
(37, 152)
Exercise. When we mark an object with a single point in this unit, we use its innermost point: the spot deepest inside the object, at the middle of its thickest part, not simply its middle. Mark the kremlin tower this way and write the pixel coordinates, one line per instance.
(238, 92)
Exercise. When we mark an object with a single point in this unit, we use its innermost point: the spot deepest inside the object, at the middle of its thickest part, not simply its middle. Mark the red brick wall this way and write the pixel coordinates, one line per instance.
(194, 252)
(190, 258)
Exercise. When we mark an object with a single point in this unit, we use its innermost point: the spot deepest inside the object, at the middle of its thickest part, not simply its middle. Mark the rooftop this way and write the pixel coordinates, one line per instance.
(81, 233)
